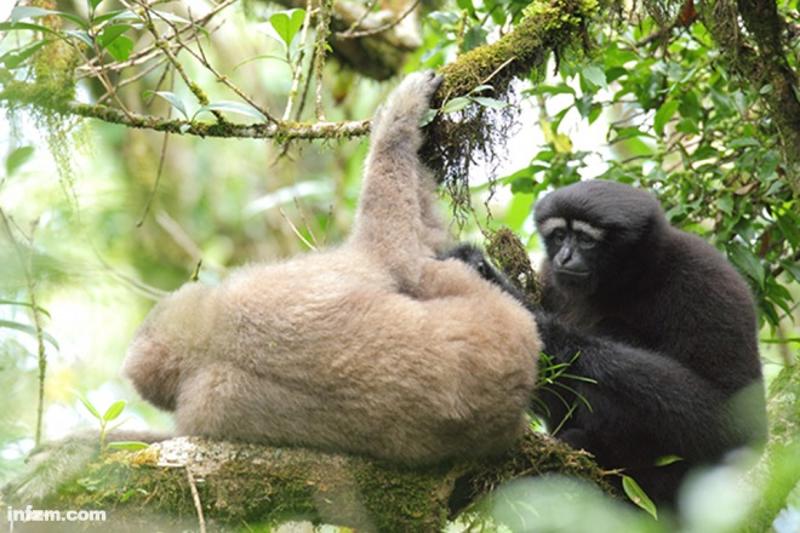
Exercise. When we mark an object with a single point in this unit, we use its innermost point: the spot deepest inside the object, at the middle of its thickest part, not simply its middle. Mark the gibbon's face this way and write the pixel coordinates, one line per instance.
(574, 250)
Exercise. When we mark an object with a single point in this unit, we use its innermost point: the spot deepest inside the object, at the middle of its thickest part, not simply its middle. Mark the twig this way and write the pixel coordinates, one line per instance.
(297, 71)
(305, 222)
(153, 51)
(37, 322)
(196, 498)
(295, 230)
(323, 30)
(357, 23)
(135, 78)
(179, 235)
(159, 172)
(193, 87)
(220, 78)
(503, 65)
(380, 29)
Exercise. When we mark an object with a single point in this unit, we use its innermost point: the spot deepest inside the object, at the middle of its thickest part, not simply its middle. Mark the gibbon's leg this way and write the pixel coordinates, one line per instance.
(389, 225)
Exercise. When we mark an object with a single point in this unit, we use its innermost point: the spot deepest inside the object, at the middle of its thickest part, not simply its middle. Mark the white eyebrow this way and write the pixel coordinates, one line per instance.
(551, 224)
(588, 229)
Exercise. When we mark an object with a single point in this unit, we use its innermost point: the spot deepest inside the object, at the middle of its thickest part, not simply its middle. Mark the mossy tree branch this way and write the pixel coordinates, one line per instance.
(251, 484)
(550, 24)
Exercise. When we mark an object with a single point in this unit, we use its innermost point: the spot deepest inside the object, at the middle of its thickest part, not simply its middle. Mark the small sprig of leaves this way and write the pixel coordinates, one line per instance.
(112, 413)
(225, 105)
(458, 103)
(552, 375)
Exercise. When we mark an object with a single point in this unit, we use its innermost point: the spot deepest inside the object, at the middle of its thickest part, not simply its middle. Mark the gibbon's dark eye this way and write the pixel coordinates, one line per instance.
(585, 240)
(558, 236)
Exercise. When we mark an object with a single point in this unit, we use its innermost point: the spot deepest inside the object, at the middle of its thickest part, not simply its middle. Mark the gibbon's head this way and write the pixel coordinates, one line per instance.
(597, 233)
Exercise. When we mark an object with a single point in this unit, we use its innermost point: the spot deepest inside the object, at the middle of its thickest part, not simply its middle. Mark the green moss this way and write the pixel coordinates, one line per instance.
(244, 484)
(509, 253)
(454, 143)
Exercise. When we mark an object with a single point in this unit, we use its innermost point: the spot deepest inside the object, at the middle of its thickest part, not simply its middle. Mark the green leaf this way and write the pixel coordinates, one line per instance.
(594, 75)
(742, 142)
(491, 103)
(114, 410)
(14, 58)
(456, 104)
(110, 15)
(94, 3)
(80, 35)
(473, 38)
(233, 107)
(664, 114)
(793, 269)
(23, 12)
(25, 304)
(128, 445)
(30, 330)
(110, 33)
(638, 496)
(287, 23)
(467, 6)
(427, 117)
(13, 26)
(725, 203)
(89, 407)
(665, 460)
(747, 263)
(481, 88)
(17, 158)
(120, 48)
(173, 100)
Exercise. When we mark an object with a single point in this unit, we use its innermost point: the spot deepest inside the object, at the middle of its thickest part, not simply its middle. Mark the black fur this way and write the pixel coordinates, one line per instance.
(667, 329)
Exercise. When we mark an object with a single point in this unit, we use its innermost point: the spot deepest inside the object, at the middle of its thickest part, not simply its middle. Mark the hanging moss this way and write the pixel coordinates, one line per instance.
(455, 141)
(505, 248)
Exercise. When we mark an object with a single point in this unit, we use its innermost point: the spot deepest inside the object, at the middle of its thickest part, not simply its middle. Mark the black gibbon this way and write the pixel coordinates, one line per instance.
(657, 319)
(374, 347)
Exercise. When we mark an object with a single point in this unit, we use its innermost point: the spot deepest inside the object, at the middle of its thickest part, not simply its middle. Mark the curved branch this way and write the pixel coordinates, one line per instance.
(27, 94)
(549, 25)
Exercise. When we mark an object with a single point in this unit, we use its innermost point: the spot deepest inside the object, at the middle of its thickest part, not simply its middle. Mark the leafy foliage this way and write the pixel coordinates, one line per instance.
(645, 98)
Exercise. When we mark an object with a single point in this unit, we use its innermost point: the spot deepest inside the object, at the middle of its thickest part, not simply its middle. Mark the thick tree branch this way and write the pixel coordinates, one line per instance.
(549, 25)
(27, 93)
(243, 483)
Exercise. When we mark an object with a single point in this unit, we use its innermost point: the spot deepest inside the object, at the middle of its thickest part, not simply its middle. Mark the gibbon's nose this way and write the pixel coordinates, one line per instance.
(563, 256)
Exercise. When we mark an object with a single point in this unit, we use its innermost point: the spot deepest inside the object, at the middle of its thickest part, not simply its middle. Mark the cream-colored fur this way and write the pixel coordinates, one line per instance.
(372, 348)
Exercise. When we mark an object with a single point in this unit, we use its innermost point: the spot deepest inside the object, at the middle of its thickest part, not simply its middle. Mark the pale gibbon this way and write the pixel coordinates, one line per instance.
(375, 347)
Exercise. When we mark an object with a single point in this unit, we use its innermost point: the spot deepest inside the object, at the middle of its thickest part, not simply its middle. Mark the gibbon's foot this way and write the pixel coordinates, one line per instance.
(409, 101)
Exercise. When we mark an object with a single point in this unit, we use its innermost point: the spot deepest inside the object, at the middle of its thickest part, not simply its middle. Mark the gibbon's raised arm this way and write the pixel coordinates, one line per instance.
(374, 347)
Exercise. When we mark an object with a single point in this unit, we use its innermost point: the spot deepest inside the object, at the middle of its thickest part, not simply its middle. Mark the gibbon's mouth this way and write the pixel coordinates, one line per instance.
(572, 273)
